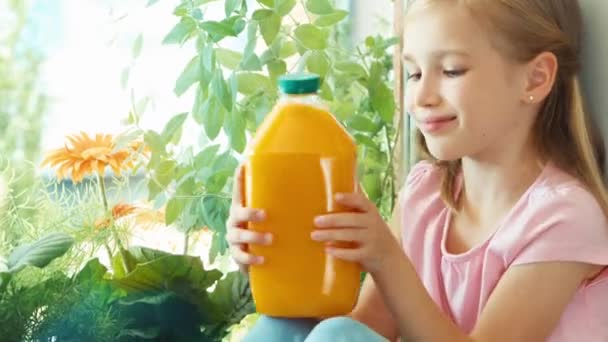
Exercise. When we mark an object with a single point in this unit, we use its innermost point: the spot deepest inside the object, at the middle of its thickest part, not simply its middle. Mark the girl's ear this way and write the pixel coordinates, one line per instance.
(541, 74)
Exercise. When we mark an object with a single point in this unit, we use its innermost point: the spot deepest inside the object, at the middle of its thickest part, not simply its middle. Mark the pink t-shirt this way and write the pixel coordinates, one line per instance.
(556, 219)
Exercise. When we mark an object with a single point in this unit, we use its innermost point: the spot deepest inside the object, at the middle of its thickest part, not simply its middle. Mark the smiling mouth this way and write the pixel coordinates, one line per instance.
(433, 125)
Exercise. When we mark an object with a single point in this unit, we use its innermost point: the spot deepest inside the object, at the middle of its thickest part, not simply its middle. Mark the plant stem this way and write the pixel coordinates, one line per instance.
(186, 242)
(109, 251)
(102, 190)
(121, 250)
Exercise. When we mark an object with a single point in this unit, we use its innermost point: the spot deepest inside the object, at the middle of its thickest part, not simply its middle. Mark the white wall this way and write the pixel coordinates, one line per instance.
(371, 17)
(595, 61)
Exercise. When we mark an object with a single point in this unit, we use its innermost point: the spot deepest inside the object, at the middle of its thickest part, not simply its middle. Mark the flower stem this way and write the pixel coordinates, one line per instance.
(121, 250)
(186, 242)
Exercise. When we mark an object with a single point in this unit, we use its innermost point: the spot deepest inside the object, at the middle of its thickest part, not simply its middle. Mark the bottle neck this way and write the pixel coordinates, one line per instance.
(310, 98)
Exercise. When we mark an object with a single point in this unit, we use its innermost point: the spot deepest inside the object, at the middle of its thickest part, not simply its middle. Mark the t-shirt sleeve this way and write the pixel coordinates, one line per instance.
(568, 226)
(419, 200)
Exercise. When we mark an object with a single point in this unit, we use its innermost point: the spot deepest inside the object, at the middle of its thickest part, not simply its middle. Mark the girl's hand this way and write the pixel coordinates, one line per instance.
(238, 236)
(365, 227)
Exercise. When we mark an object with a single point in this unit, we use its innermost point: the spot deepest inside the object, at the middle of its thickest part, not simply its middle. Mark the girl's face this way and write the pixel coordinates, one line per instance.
(465, 97)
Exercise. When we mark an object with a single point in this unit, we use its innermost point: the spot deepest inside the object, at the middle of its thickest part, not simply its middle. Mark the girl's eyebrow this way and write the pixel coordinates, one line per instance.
(437, 54)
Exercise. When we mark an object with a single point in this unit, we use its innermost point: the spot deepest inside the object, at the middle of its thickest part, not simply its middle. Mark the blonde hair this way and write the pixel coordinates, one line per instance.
(562, 131)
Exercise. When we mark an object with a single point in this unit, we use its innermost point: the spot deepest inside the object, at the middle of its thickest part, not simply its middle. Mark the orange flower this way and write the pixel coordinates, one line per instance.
(142, 216)
(118, 211)
(84, 156)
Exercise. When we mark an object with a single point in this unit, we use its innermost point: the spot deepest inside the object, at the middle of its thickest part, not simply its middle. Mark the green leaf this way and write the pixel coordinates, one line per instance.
(331, 19)
(351, 68)
(218, 246)
(190, 74)
(261, 14)
(205, 157)
(276, 68)
(137, 45)
(326, 92)
(124, 139)
(251, 63)
(381, 97)
(228, 58)
(288, 49)
(267, 56)
(175, 206)
(270, 27)
(250, 83)
(164, 173)
(362, 123)
(221, 91)
(91, 272)
(267, 3)
(181, 32)
(215, 212)
(237, 23)
(365, 140)
(318, 63)
(149, 333)
(320, 7)
(143, 254)
(207, 56)
(156, 275)
(233, 87)
(283, 7)
(372, 185)
(39, 253)
(311, 37)
(250, 60)
(218, 29)
(234, 126)
(212, 114)
(232, 296)
(230, 6)
(157, 299)
(155, 142)
(124, 77)
(172, 127)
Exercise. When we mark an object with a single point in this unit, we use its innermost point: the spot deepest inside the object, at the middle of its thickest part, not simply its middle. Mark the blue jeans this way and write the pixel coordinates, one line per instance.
(337, 329)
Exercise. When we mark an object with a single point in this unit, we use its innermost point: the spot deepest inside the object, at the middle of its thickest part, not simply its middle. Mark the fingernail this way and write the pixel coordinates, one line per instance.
(268, 238)
(260, 215)
(314, 235)
(260, 260)
(339, 196)
(319, 220)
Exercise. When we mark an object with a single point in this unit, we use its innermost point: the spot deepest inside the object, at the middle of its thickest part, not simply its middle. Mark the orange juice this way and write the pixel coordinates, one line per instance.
(298, 160)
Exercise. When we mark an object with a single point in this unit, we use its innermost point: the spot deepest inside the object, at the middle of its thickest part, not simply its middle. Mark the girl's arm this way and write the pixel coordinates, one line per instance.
(526, 305)
(371, 309)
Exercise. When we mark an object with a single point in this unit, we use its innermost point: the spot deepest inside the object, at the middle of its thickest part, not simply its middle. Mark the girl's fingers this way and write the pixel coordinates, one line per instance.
(355, 201)
(347, 254)
(241, 215)
(359, 220)
(243, 258)
(236, 236)
(345, 235)
(237, 185)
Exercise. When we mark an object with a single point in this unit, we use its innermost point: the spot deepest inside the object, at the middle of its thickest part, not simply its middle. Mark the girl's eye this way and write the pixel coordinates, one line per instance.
(414, 76)
(454, 73)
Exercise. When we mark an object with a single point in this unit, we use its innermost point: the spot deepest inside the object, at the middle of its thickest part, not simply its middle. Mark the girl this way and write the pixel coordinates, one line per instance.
(501, 232)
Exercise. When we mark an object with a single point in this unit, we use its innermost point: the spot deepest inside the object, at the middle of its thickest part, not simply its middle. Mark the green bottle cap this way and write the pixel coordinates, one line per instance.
(300, 83)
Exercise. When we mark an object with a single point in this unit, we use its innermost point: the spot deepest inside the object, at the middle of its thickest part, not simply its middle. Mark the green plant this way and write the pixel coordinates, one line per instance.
(234, 90)
(22, 103)
(18, 305)
(22, 110)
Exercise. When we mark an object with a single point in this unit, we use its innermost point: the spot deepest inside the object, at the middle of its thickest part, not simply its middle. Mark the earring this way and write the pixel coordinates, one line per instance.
(531, 98)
